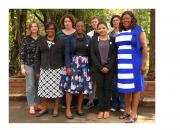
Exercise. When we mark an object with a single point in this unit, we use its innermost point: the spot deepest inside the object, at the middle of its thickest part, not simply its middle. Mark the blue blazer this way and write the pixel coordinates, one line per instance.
(69, 48)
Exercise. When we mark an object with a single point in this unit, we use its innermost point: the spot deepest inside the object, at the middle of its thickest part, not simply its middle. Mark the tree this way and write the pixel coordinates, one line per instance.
(18, 25)
(151, 73)
(20, 18)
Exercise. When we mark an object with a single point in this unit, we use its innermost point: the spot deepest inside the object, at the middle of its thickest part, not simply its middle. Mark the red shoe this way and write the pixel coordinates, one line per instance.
(38, 108)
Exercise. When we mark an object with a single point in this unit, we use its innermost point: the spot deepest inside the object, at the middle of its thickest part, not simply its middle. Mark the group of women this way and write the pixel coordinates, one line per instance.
(60, 63)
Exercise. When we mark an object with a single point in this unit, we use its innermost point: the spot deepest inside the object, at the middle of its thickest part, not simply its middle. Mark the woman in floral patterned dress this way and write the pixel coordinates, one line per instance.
(77, 59)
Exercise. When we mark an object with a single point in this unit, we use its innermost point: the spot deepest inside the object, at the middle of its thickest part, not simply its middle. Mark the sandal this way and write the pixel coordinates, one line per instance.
(131, 119)
(124, 115)
(32, 111)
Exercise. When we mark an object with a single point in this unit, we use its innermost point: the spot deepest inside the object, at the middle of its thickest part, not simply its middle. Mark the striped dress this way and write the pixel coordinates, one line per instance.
(129, 56)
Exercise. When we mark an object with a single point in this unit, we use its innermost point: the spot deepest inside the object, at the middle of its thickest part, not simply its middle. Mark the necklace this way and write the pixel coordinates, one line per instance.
(50, 43)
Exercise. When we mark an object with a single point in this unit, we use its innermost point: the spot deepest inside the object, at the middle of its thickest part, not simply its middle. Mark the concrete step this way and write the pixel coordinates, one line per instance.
(145, 101)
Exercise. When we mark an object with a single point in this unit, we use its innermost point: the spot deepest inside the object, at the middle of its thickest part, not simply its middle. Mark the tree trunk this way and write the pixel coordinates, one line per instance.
(151, 73)
(19, 29)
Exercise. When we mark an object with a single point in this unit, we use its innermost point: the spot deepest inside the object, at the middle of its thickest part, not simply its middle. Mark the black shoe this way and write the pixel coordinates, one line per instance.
(123, 115)
(69, 117)
(55, 114)
(89, 105)
(80, 113)
(41, 113)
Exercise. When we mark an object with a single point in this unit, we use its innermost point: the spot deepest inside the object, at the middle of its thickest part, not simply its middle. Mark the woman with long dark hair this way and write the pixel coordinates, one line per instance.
(103, 54)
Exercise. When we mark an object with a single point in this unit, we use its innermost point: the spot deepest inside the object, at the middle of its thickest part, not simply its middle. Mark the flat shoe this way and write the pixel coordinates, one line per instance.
(41, 113)
(80, 113)
(55, 114)
(106, 115)
(69, 117)
(37, 108)
(100, 115)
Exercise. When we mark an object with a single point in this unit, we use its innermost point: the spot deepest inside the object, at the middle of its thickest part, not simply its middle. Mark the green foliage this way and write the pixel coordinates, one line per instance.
(143, 19)
(44, 15)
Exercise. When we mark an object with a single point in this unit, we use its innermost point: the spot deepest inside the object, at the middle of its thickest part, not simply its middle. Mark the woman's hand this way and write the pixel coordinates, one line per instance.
(143, 69)
(23, 70)
(69, 71)
(37, 75)
(105, 70)
(91, 72)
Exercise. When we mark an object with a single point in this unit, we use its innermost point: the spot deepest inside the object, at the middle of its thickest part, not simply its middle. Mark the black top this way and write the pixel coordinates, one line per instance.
(50, 57)
(96, 58)
(81, 47)
(28, 49)
(96, 34)
(78, 47)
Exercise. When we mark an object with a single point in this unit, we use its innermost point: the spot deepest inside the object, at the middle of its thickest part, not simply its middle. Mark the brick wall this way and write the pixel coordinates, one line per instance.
(17, 85)
(149, 89)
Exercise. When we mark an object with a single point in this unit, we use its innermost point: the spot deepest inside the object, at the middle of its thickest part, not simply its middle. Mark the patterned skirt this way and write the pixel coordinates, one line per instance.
(80, 81)
(49, 80)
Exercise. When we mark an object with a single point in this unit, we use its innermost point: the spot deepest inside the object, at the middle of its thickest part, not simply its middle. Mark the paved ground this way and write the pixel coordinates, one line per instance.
(18, 113)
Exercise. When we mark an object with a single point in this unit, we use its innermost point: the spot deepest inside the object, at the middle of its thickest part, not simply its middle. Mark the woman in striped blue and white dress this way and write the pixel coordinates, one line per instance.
(132, 53)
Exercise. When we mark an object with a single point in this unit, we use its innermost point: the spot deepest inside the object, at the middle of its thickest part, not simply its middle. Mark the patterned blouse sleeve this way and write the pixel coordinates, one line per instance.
(23, 51)
(37, 59)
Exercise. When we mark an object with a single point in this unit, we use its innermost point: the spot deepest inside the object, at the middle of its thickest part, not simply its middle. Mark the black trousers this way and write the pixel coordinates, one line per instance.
(104, 89)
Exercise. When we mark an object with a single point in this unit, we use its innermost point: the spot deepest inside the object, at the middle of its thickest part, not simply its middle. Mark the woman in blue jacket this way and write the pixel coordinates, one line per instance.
(77, 59)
